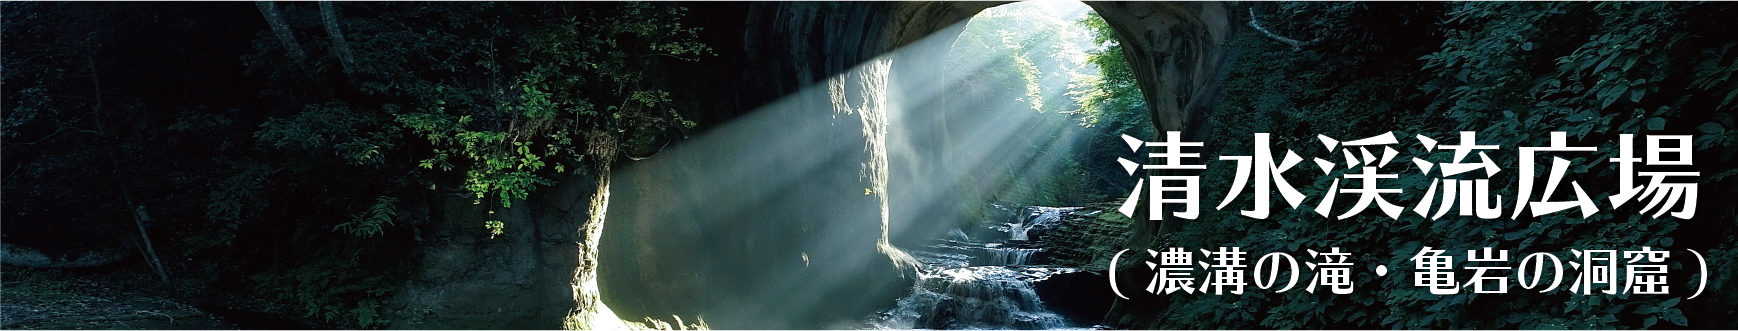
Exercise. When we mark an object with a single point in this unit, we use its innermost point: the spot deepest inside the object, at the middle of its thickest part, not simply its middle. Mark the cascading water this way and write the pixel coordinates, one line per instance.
(1046, 216)
(982, 281)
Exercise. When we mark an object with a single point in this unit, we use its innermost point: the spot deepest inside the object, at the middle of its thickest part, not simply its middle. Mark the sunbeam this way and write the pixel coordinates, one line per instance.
(788, 217)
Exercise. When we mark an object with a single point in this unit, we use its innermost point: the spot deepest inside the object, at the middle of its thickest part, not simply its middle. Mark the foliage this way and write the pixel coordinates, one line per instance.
(1510, 72)
(337, 287)
(516, 85)
(298, 177)
(73, 142)
(1112, 93)
(496, 98)
(1027, 47)
(1019, 58)
(372, 222)
(1065, 155)
(1110, 105)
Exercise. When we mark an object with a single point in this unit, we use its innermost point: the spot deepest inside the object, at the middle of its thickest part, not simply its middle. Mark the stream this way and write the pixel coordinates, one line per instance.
(984, 277)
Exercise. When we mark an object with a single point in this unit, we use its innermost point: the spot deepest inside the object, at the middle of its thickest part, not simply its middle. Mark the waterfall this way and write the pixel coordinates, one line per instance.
(1009, 256)
(984, 297)
(1046, 216)
(967, 284)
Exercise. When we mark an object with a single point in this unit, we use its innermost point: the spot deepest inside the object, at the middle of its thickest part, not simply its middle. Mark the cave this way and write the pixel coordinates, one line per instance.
(827, 70)
(851, 165)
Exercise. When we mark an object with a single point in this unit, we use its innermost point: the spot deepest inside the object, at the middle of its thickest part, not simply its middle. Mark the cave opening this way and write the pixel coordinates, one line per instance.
(809, 212)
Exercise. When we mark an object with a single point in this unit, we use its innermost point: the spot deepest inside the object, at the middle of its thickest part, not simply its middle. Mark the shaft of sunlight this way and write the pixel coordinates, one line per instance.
(787, 217)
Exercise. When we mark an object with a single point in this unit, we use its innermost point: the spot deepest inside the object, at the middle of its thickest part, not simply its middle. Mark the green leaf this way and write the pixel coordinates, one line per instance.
(1711, 128)
(1608, 95)
(1604, 64)
(1656, 123)
(1676, 317)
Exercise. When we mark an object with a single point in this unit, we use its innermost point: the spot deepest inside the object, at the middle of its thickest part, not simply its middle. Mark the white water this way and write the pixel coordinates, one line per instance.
(1046, 216)
(965, 284)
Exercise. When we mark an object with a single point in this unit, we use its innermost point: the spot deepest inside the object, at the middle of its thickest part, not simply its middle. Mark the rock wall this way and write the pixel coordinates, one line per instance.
(524, 278)
(765, 222)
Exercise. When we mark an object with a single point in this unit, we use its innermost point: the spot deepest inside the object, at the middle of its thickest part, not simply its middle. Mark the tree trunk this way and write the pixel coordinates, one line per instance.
(330, 17)
(278, 27)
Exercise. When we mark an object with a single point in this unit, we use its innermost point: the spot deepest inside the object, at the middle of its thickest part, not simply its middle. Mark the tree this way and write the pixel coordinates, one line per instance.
(490, 100)
(295, 181)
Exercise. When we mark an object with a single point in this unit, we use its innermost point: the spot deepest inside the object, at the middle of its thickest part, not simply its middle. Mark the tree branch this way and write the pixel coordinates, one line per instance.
(139, 218)
(138, 211)
(1294, 43)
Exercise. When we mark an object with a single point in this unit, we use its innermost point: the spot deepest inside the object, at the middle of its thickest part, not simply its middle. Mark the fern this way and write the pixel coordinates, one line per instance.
(371, 222)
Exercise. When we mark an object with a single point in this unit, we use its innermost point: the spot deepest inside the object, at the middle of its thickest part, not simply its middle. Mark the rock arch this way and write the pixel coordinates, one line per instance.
(545, 267)
(1178, 51)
